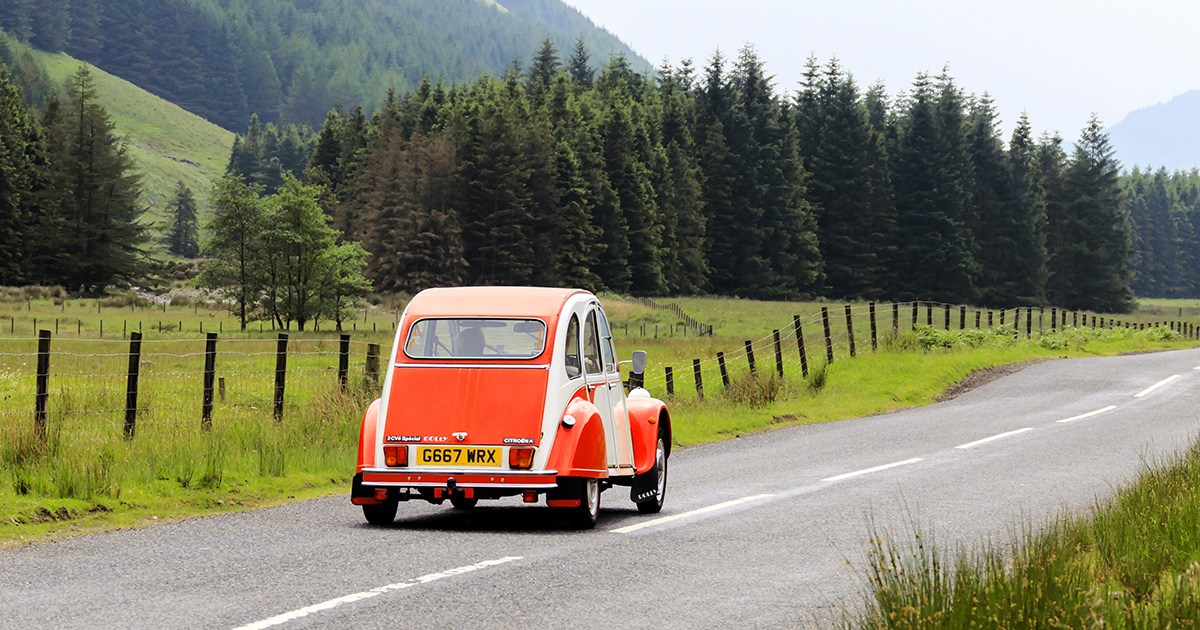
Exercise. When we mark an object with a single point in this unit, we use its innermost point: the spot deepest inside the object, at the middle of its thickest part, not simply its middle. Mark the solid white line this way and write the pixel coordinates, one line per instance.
(354, 597)
(674, 517)
(994, 437)
(871, 470)
(1087, 415)
(1196, 368)
(1156, 386)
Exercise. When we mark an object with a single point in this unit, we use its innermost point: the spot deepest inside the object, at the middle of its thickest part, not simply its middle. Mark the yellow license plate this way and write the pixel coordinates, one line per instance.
(458, 456)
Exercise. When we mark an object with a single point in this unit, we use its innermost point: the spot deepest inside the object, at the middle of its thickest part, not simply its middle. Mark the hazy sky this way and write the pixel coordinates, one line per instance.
(1057, 60)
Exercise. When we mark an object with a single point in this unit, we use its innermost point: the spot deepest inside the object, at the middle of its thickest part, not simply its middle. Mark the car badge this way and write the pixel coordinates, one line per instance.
(461, 435)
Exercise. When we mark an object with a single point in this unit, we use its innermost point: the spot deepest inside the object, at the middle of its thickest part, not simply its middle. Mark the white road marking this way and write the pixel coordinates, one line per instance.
(1156, 385)
(994, 437)
(1196, 368)
(354, 597)
(704, 510)
(1087, 415)
(871, 470)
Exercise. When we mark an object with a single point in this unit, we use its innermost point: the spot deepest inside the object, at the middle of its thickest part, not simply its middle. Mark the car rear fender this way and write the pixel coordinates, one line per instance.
(647, 416)
(579, 451)
(366, 436)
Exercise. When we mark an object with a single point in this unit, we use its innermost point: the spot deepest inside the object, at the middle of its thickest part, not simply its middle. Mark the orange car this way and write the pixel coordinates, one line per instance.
(505, 391)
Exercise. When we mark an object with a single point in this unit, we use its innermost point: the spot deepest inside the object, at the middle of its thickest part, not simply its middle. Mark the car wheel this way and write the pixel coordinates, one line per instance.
(463, 503)
(584, 516)
(380, 513)
(654, 505)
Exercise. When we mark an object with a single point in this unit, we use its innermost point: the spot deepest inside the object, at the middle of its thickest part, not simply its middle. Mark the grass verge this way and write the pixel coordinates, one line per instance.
(1133, 563)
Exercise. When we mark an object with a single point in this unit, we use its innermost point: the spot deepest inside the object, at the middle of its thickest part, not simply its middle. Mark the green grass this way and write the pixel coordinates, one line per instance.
(86, 476)
(168, 143)
(1133, 563)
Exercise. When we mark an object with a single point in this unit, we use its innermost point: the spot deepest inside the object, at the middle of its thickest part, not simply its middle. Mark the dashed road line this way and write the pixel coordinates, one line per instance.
(704, 510)
(994, 437)
(354, 597)
(871, 470)
(1086, 415)
(1156, 385)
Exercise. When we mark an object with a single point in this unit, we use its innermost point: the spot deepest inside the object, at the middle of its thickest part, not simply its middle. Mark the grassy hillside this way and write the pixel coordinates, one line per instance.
(168, 143)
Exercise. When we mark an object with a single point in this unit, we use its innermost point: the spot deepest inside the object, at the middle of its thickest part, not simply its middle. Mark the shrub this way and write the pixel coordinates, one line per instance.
(755, 390)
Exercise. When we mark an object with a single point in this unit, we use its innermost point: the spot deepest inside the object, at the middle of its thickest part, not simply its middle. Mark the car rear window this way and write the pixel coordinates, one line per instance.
(475, 338)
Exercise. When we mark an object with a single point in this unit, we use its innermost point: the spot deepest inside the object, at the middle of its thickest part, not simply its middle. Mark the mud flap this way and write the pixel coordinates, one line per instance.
(360, 494)
(645, 486)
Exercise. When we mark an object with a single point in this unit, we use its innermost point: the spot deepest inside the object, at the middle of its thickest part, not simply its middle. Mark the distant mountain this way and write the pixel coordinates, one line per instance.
(1166, 134)
(292, 60)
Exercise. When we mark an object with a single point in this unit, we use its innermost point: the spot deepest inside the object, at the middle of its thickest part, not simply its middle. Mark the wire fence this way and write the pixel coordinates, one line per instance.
(836, 333)
(125, 386)
(108, 387)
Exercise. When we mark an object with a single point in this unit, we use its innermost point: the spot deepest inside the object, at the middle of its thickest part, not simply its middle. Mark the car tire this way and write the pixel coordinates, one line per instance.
(653, 506)
(584, 515)
(463, 503)
(380, 513)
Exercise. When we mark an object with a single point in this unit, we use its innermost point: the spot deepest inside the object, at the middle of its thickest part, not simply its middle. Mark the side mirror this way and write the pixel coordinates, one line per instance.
(639, 362)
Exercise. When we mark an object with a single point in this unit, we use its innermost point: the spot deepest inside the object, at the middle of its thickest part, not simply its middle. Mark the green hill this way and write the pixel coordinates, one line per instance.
(294, 61)
(168, 143)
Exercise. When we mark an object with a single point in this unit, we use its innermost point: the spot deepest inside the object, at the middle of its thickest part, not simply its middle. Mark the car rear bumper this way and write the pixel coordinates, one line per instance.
(441, 478)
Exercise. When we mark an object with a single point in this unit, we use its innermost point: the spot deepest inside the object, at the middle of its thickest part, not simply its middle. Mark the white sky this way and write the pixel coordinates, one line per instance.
(1058, 60)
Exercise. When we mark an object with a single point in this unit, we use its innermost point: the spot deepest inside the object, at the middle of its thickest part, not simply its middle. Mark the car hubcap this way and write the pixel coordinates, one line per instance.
(592, 494)
(660, 462)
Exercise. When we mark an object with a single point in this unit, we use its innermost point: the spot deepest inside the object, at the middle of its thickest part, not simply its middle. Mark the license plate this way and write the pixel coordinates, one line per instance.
(458, 456)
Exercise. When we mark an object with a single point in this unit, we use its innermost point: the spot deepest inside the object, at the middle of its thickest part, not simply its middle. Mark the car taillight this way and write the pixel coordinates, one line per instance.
(395, 456)
(520, 457)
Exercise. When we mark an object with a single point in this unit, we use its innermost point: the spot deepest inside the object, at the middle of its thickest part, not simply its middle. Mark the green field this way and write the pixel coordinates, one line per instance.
(168, 143)
(86, 476)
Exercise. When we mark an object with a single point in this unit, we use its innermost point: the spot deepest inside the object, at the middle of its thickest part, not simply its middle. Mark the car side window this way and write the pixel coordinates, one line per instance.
(606, 345)
(591, 345)
(571, 355)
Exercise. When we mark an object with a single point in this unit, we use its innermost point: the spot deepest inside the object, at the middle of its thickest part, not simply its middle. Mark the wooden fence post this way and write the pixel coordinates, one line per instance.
(978, 315)
(828, 337)
(929, 314)
(1029, 323)
(850, 329)
(210, 371)
(800, 346)
(989, 319)
(43, 386)
(962, 317)
(915, 305)
(724, 370)
(699, 379)
(1002, 312)
(947, 316)
(778, 355)
(280, 374)
(1016, 320)
(750, 357)
(1053, 319)
(670, 382)
(372, 367)
(131, 384)
(896, 318)
(344, 363)
(874, 338)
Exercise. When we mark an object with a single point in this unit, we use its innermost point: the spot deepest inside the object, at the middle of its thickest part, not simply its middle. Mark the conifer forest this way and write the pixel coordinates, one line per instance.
(574, 169)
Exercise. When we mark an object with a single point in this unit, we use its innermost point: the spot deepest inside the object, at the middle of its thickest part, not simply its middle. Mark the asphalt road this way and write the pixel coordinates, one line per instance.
(769, 530)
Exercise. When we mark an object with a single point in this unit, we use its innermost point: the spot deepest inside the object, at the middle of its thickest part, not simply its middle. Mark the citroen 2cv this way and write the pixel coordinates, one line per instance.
(494, 392)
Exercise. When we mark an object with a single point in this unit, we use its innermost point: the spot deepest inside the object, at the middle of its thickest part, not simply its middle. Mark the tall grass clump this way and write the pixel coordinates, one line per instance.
(1133, 563)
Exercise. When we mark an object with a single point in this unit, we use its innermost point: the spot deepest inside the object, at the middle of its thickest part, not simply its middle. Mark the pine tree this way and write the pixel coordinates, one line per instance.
(933, 261)
(20, 145)
(840, 184)
(183, 238)
(1089, 265)
(99, 191)
(579, 66)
